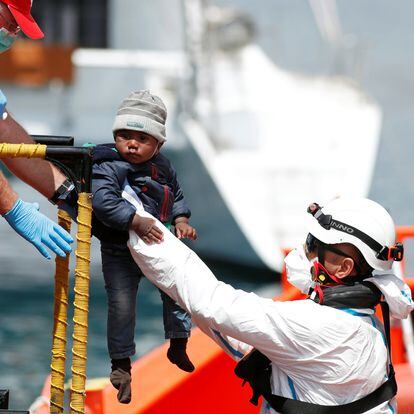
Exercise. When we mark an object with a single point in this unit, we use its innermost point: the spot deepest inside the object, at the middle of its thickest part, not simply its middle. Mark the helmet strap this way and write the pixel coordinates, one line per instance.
(385, 253)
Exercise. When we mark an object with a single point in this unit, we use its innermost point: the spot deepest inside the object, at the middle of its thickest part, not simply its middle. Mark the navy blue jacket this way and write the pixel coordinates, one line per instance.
(155, 183)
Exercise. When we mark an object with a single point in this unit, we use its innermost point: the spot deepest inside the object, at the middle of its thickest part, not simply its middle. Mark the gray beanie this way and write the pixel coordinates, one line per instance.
(143, 112)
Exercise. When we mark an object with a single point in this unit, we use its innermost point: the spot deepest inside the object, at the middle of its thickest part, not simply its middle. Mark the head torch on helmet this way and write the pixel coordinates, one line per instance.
(384, 253)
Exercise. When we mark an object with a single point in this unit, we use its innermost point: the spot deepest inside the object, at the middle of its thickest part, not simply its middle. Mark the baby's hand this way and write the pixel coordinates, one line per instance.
(185, 231)
(146, 229)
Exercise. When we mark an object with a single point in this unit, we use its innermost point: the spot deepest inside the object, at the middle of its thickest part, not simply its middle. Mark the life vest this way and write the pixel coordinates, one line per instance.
(255, 368)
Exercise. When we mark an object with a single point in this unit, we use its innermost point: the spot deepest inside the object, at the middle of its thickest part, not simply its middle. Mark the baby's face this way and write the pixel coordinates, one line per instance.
(136, 147)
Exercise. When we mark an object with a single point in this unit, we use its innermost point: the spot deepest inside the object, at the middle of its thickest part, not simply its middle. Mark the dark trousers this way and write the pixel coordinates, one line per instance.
(122, 277)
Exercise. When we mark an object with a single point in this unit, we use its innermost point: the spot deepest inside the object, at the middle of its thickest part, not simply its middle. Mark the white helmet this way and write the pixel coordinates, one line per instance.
(360, 222)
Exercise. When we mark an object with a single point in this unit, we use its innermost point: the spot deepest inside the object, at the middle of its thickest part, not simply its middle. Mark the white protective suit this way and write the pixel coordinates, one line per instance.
(319, 354)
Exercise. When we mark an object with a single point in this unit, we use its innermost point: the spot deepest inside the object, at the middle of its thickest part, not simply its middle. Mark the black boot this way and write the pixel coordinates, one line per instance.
(121, 379)
(177, 354)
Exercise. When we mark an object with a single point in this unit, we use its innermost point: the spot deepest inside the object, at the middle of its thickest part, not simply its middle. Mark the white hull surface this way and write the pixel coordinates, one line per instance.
(276, 142)
(273, 143)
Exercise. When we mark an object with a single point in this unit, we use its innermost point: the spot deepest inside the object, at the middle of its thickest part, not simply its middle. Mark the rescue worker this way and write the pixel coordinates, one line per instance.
(23, 217)
(326, 355)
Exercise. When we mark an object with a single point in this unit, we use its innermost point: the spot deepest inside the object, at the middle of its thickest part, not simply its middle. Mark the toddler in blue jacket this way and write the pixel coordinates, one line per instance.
(135, 159)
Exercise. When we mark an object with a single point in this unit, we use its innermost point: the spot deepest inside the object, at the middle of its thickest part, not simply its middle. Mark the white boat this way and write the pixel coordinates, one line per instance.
(273, 142)
(270, 141)
(278, 142)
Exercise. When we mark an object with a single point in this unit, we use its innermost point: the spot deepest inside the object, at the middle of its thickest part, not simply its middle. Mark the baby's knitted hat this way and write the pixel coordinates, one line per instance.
(144, 112)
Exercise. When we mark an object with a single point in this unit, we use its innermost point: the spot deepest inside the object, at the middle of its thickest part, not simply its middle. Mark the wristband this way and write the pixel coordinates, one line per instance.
(62, 192)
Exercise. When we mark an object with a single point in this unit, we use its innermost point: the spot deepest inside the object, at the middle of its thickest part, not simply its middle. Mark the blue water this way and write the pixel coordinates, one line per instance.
(287, 33)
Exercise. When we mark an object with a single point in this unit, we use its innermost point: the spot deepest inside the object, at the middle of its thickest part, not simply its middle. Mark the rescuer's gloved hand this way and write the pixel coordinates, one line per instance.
(38, 229)
(121, 379)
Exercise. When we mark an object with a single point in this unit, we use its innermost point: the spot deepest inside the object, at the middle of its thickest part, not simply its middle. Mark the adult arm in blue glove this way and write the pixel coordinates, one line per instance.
(38, 229)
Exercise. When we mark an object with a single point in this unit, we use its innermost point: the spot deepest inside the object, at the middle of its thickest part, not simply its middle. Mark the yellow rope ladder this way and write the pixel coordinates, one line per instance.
(81, 304)
(81, 299)
(60, 315)
(22, 151)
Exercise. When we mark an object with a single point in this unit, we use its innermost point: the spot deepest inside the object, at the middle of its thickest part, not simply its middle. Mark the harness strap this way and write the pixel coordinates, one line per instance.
(382, 394)
(386, 318)
(255, 368)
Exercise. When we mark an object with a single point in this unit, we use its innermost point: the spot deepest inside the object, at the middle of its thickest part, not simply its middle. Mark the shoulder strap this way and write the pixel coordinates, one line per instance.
(255, 368)
(382, 394)
(386, 319)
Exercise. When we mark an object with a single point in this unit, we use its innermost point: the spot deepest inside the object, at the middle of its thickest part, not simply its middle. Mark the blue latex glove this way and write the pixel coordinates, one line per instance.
(3, 103)
(38, 229)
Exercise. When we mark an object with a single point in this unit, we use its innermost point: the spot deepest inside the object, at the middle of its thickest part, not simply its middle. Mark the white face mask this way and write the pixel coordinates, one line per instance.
(298, 269)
